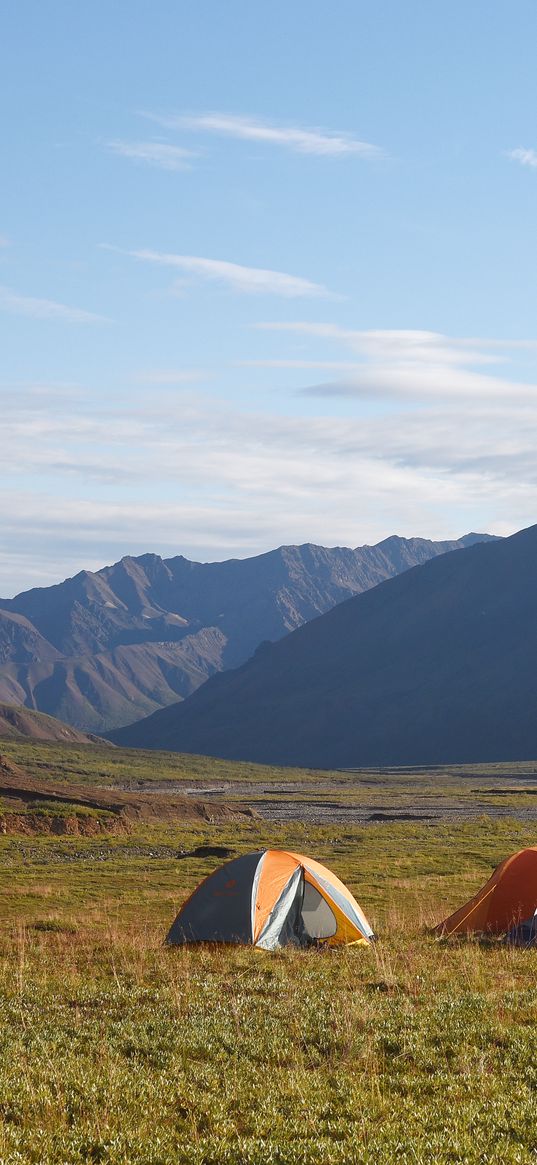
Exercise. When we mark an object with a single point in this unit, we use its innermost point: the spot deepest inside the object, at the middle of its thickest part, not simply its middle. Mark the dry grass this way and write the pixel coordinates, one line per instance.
(117, 1050)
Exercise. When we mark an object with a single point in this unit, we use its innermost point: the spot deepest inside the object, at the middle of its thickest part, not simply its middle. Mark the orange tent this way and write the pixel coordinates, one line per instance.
(270, 899)
(506, 900)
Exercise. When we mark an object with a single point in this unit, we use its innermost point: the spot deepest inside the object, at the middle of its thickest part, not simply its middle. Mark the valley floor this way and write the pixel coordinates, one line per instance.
(117, 1050)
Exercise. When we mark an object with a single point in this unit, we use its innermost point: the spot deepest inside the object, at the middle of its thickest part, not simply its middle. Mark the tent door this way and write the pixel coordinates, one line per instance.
(300, 917)
(318, 920)
(283, 926)
(310, 918)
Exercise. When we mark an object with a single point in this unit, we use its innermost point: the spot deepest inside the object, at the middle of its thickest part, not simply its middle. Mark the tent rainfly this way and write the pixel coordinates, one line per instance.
(506, 902)
(271, 899)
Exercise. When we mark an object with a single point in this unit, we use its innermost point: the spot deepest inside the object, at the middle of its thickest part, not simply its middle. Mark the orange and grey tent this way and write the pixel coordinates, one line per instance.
(508, 899)
(271, 899)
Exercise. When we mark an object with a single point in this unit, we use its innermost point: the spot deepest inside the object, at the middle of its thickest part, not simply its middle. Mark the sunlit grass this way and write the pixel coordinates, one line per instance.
(116, 1049)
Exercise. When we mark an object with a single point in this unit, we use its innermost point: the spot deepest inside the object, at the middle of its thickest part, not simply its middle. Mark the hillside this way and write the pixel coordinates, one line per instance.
(30, 804)
(436, 665)
(103, 649)
(18, 723)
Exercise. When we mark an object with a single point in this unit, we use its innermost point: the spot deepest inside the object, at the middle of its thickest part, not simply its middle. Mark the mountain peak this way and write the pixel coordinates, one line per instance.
(105, 648)
(473, 538)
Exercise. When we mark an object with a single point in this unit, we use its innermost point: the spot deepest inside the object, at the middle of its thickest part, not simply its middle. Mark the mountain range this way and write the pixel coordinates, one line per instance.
(106, 648)
(436, 665)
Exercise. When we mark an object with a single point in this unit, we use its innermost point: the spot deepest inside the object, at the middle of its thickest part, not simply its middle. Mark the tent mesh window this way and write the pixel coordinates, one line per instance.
(318, 919)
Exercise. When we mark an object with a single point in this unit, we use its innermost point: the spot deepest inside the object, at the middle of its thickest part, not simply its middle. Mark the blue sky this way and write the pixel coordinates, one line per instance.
(266, 276)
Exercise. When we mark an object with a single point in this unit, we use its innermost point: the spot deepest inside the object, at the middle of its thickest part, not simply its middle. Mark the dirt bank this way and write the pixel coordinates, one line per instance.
(110, 810)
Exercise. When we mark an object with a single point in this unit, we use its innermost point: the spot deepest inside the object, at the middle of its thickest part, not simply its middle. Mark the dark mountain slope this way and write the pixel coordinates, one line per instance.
(100, 650)
(433, 666)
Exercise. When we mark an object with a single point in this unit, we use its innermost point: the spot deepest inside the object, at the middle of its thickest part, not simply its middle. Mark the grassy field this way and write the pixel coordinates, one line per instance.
(453, 791)
(117, 1050)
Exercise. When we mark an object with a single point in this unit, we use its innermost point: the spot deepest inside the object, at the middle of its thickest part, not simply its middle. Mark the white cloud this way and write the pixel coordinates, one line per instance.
(45, 309)
(526, 157)
(451, 448)
(411, 341)
(200, 443)
(167, 157)
(412, 364)
(247, 280)
(325, 143)
(209, 482)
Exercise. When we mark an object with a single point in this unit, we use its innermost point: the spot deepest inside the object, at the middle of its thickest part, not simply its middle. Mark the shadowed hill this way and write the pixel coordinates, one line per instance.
(101, 650)
(436, 665)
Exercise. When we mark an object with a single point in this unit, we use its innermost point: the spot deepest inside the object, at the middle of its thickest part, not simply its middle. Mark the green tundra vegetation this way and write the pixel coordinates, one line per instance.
(115, 1049)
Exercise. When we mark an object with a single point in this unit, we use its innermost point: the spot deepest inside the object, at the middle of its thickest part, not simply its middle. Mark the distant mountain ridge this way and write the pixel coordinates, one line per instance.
(434, 666)
(103, 649)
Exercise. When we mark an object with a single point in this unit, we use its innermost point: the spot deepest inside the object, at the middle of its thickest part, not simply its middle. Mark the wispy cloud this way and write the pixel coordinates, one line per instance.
(411, 364)
(45, 309)
(4, 241)
(451, 448)
(247, 280)
(411, 340)
(205, 479)
(526, 157)
(302, 140)
(161, 154)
